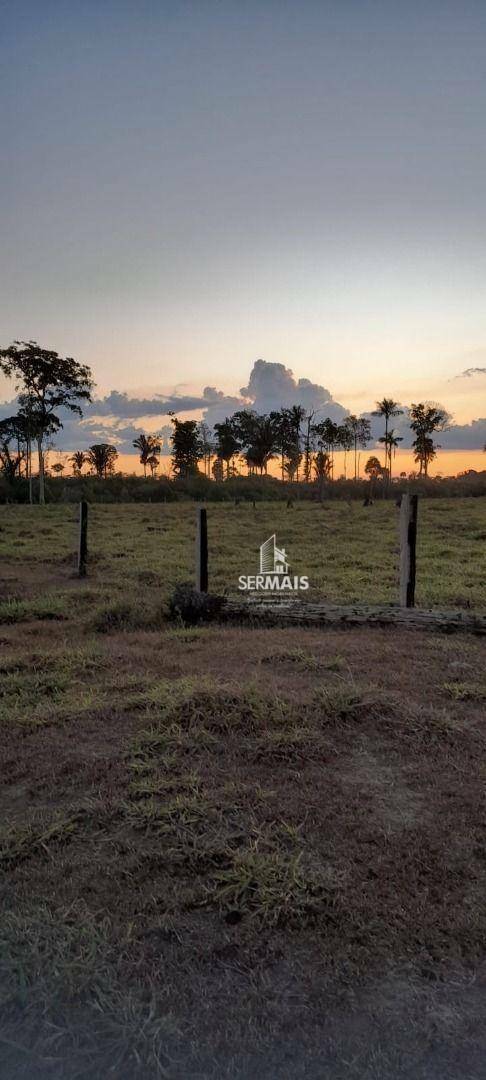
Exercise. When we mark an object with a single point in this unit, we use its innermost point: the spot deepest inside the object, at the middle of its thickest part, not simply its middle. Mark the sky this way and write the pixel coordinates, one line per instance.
(189, 187)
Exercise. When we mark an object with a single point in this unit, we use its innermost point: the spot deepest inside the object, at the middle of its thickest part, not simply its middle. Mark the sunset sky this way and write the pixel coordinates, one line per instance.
(189, 187)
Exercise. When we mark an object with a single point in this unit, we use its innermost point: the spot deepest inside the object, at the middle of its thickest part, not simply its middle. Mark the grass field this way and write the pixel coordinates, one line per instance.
(229, 852)
(349, 552)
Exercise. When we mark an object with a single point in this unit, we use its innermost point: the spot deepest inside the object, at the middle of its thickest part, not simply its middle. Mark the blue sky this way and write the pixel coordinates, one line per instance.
(187, 187)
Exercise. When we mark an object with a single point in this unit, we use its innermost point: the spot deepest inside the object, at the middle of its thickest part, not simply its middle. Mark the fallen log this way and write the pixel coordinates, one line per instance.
(286, 612)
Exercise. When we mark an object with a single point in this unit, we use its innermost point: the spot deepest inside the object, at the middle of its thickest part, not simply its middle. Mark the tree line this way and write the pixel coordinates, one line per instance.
(302, 445)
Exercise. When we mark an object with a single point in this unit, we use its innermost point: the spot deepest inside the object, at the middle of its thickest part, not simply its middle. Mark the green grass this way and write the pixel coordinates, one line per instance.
(138, 553)
(49, 607)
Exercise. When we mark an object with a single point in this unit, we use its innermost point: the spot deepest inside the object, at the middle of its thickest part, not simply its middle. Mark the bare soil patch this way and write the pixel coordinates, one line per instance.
(229, 852)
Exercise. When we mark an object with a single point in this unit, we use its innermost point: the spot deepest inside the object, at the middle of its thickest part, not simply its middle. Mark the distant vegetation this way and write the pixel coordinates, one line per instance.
(118, 488)
(207, 464)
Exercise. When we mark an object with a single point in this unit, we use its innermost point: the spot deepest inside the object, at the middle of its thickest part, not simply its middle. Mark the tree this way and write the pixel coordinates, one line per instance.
(328, 435)
(374, 468)
(391, 441)
(425, 450)
(284, 439)
(387, 408)
(77, 460)
(321, 467)
(58, 468)
(186, 447)
(425, 419)
(207, 446)
(295, 417)
(153, 463)
(217, 470)
(102, 457)
(360, 433)
(345, 442)
(309, 436)
(291, 466)
(12, 430)
(149, 447)
(259, 433)
(45, 382)
(227, 442)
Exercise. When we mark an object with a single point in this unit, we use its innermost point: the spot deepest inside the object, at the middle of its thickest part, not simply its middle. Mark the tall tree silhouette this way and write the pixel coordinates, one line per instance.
(77, 460)
(360, 432)
(425, 419)
(391, 441)
(328, 436)
(227, 443)
(149, 447)
(186, 447)
(387, 408)
(102, 457)
(45, 382)
(13, 446)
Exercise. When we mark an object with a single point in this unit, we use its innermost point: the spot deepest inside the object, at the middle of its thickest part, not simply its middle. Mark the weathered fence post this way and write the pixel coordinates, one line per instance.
(83, 538)
(202, 551)
(408, 545)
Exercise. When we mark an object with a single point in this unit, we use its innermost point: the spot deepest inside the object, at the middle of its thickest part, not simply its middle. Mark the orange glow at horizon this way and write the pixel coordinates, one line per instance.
(447, 463)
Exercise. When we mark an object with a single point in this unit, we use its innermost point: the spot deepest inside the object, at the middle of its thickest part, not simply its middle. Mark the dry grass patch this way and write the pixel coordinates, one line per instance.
(250, 851)
(273, 889)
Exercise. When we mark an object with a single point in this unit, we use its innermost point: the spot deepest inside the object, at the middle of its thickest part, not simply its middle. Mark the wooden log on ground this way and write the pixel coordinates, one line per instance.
(290, 612)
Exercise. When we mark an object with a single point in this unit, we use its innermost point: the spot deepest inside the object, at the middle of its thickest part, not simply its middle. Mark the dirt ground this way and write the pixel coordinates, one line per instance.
(237, 853)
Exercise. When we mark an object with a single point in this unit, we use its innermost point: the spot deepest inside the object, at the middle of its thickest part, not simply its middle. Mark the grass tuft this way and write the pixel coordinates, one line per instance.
(41, 607)
(274, 889)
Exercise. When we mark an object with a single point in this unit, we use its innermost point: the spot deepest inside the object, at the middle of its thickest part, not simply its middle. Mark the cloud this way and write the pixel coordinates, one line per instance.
(465, 436)
(121, 405)
(470, 372)
(119, 418)
(273, 386)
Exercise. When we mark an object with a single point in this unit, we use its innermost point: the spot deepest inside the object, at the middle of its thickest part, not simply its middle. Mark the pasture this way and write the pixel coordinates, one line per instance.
(137, 554)
(226, 852)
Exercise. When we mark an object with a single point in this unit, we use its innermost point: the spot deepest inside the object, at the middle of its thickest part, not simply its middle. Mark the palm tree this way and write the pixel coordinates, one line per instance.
(207, 446)
(102, 457)
(328, 436)
(227, 443)
(345, 442)
(264, 443)
(149, 446)
(77, 460)
(296, 414)
(360, 433)
(391, 441)
(387, 408)
(153, 464)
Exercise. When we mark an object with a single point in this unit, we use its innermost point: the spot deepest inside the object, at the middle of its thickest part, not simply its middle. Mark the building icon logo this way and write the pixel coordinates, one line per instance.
(273, 560)
(274, 573)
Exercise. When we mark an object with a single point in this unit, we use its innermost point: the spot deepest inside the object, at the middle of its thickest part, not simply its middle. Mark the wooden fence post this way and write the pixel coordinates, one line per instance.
(83, 538)
(408, 546)
(202, 551)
